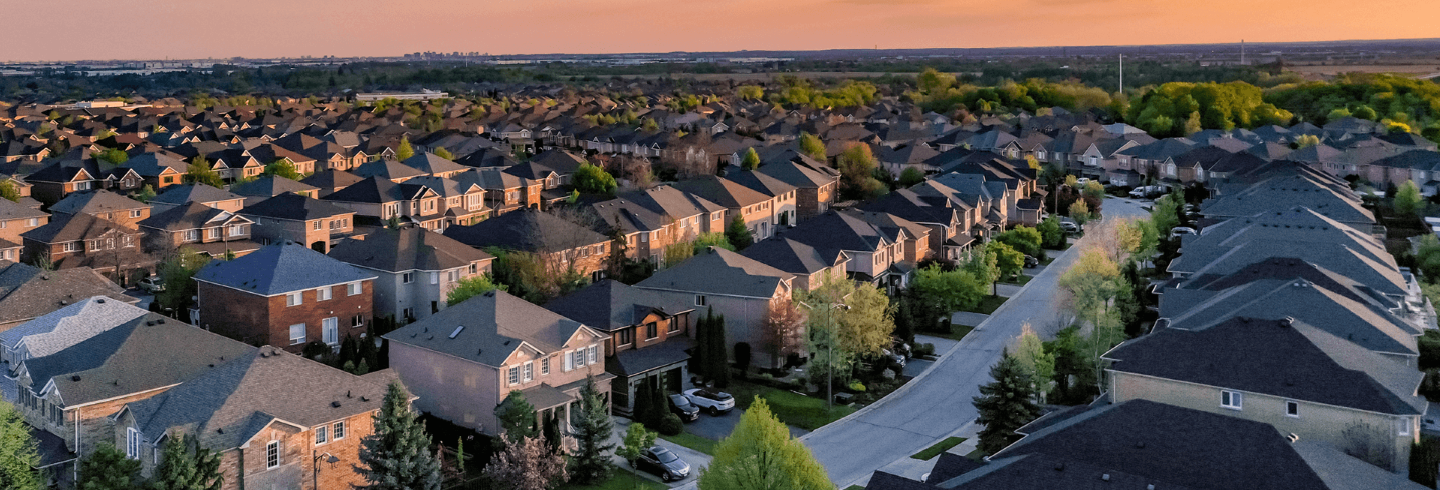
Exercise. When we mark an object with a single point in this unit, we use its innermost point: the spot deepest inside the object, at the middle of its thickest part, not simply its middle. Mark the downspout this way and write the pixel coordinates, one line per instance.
(75, 466)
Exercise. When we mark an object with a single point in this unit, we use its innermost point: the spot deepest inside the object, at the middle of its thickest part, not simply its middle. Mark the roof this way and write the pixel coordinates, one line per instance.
(12, 210)
(488, 328)
(60, 328)
(294, 207)
(280, 268)
(525, 230)
(229, 404)
(141, 354)
(720, 271)
(69, 228)
(793, 257)
(609, 304)
(388, 169)
(410, 248)
(721, 191)
(331, 179)
(270, 185)
(631, 362)
(184, 193)
(377, 190)
(1284, 358)
(95, 202)
(189, 216)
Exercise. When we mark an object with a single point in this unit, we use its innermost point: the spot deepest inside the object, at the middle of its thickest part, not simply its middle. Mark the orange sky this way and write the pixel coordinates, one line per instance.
(153, 29)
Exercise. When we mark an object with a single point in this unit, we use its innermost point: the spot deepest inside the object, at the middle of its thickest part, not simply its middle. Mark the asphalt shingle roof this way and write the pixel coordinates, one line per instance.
(494, 325)
(294, 207)
(720, 271)
(411, 248)
(280, 268)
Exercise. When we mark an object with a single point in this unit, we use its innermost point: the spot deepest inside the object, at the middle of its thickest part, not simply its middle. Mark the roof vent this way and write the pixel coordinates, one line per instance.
(1287, 321)
(150, 323)
(1059, 466)
(364, 398)
(347, 394)
(1150, 486)
(1293, 437)
(212, 365)
(1105, 477)
(335, 404)
(220, 430)
(75, 377)
(457, 331)
(1140, 445)
(160, 321)
(101, 301)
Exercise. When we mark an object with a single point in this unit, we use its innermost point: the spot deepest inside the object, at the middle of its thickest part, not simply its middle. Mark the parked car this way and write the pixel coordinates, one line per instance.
(713, 402)
(661, 461)
(1148, 192)
(1069, 226)
(679, 405)
(1031, 262)
(896, 360)
(152, 284)
(1181, 230)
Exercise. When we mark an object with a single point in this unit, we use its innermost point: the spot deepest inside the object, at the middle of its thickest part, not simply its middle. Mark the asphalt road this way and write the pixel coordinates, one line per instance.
(938, 402)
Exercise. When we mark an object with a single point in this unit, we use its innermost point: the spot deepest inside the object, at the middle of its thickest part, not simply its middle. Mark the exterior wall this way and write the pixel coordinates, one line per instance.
(744, 319)
(95, 424)
(163, 240)
(760, 219)
(10, 230)
(662, 327)
(393, 295)
(128, 218)
(272, 230)
(1315, 422)
(450, 388)
(260, 320)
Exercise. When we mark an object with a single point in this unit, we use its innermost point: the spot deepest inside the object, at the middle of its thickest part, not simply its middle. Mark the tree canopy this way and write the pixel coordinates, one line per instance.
(760, 454)
(1181, 108)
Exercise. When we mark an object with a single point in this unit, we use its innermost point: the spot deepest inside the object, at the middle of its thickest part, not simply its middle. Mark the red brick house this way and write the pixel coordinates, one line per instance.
(284, 294)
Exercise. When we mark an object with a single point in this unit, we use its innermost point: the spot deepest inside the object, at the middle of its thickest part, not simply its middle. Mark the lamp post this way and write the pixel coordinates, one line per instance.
(830, 356)
(315, 465)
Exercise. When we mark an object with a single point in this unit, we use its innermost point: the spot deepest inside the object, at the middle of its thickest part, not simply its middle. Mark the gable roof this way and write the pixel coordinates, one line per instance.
(720, 271)
(60, 328)
(793, 257)
(294, 207)
(488, 328)
(410, 248)
(95, 202)
(189, 216)
(526, 230)
(185, 193)
(608, 305)
(280, 268)
(270, 186)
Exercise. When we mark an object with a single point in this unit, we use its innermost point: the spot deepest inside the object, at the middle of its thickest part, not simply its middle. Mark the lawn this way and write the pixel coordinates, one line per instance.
(957, 332)
(693, 441)
(801, 411)
(621, 479)
(976, 455)
(988, 304)
(938, 448)
(1023, 280)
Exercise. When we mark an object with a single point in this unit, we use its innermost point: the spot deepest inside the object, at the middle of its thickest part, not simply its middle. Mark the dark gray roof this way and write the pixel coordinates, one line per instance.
(721, 191)
(269, 186)
(1284, 358)
(190, 216)
(331, 179)
(720, 271)
(12, 210)
(794, 257)
(280, 268)
(608, 305)
(69, 324)
(631, 362)
(388, 169)
(495, 325)
(184, 193)
(27, 292)
(1287, 192)
(95, 202)
(411, 248)
(526, 230)
(294, 207)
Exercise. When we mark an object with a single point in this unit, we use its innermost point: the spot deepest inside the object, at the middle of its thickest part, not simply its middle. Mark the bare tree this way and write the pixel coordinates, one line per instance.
(526, 464)
(637, 171)
(784, 329)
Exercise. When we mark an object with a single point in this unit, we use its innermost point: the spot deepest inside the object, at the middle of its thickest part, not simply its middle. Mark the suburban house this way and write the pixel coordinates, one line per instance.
(61, 326)
(284, 294)
(873, 250)
(758, 210)
(503, 191)
(947, 220)
(466, 359)
(656, 218)
(462, 204)
(15, 219)
(268, 186)
(562, 244)
(84, 240)
(328, 182)
(210, 231)
(647, 343)
(816, 183)
(387, 169)
(160, 170)
(379, 200)
(809, 265)
(416, 268)
(1287, 373)
(297, 218)
(103, 204)
(179, 195)
(729, 284)
(73, 393)
(783, 194)
(275, 419)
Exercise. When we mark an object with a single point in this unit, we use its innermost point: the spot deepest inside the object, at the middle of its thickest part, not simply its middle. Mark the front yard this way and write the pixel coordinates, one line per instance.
(805, 412)
(988, 304)
(621, 479)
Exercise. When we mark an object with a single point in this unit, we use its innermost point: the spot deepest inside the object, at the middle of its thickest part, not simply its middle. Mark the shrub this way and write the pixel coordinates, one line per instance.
(671, 425)
(857, 386)
(926, 349)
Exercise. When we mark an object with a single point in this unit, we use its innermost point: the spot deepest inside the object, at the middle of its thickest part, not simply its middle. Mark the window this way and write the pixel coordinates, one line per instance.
(593, 354)
(339, 431)
(272, 454)
(453, 275)
(673, 327)
(321, 435)
(237, 230)
(134, 213)
(72, 246)
(297, 334)
(529, 371)
(651, 331)
(626, 337)
(699, 300)
(644, 238)
(212, 233)
(294, 299)
(132, 443)
(1232, 400)
(322, 294)
(32, 222)
(545, 366)
(318, 225)
(1292, 408)
(407, 277)
(330, 330)
(352, 288)
(1402, 427)
(513, 376)
(357, 321)
(474, 268)
(434, 278)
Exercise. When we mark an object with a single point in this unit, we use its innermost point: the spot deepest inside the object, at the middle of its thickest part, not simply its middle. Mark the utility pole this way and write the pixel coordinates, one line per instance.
(1122, 73)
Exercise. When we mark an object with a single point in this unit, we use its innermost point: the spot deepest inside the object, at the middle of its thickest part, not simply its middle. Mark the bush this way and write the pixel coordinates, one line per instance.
(856, 386)
(671, 425)
(926, 349)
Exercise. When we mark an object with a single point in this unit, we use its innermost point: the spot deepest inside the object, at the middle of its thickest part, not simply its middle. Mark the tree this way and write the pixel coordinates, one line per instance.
(911, 176)
(590, 463)
(1080, 212)
(750, 92)
(760, 454)
(863, 325)
(1052, 236)
(751, 159)
(811, 146)
(177, 273)
(1166, 215)
(443, 153)
(8, 190)
(184, 465)
(146, 194)
(1407, 199)
(113, 156)
(717, 239)
(396, 456)
(404, 151)
(199, 172)
(1009, 261)
(637, 440)
(1030, 353)
(784, 329)
(941, 292)
(984, 264)
(1005, 404)
(1024, 239)
(526, 464)
(108, 469)
(517, 417)
(594, 180)
(19, 453)
(738, 235)
(857, 174)
(472, 286)
(283, 168)
(1308, 140)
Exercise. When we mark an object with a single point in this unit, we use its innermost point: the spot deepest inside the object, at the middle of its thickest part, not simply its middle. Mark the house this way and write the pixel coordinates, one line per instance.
(873, 251)
(729, 284)
(297, 218)
(103, 204)
(379, 200)
(387, 169)
(83, 240)
(784, 195)
(15, 219)
(504, 191)
(276, 420)
(462, 204)
(73, 393)
(284, 294)
(1286, 373)
(160, 170)
(179, 195)
(432, 164)
(269, 186)
(656, 218)
(329, 181)
(62, 323)
(949, 221)
(466, 359)
(647, 344)
(816, 183)
(416, 268)
(562, 244)
(757, 210)
(195, 226)
(809, 265)
(55, 181)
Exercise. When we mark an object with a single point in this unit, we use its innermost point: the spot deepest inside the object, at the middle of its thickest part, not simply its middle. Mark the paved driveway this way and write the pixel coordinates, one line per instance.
(938, 402)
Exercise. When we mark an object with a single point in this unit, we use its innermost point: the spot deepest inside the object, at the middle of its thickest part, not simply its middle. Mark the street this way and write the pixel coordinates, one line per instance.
(938, 402)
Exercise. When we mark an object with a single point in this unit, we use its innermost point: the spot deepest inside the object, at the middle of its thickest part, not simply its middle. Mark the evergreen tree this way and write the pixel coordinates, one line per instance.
(658, 402)
(761, 454)
(108, 469)
(700, 363)
(404, 151)
(643, 404)
(591, 462)
(19, 453)
(396, 456)
(719, 358)
(738, 234)
(184, 465)
(1005, 404)
(517, 417)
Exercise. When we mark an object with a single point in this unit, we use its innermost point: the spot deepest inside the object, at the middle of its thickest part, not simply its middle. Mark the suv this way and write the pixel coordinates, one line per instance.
(681, 406)
(1069, 226)
(152, 284)
(714, 402)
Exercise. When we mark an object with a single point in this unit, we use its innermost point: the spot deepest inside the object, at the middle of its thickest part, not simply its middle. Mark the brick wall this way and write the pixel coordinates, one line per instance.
(258, 319)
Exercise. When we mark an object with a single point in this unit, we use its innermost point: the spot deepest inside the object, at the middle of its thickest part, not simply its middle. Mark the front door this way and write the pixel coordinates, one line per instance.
(330, 331)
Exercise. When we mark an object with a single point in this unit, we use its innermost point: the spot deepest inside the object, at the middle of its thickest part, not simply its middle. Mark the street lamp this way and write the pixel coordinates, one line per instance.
(315, 465)
(830, 354)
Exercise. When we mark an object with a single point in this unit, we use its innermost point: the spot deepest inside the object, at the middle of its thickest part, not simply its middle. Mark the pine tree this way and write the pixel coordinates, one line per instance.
(644, 404)
(719, 356)
(404, 151)
(1005, 404)
(396, 456)
(738, 234)
(18, 452)
(761, 454)
(517, 417)
(591, 464)
(184, 465)
(700, 363)
(108, 469)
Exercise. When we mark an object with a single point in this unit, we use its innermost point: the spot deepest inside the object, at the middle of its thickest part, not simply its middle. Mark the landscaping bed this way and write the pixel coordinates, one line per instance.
(938, 448)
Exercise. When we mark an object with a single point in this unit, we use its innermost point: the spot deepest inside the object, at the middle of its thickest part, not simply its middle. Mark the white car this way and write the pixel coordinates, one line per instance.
(713, 402)
(1181, 230)
(152, 284)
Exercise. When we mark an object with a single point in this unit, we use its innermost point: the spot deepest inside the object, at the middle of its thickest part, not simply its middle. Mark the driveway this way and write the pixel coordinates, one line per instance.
(938, 403)
(696, 459)
(717, 428)
(144, 297)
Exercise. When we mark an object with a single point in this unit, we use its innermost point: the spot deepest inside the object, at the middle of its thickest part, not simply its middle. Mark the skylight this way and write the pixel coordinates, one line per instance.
(457, 331)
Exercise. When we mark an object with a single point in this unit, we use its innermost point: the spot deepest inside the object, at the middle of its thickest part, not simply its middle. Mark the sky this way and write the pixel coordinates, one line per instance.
(188, 29)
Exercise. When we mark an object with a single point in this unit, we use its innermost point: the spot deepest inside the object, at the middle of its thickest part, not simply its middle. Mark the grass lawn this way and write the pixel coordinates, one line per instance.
(798, 410)
(957, 332)
(988, 304)
(854, 487)
(938, 448)
(976, 455)
(693, 441)
(621, 479)
(1023, 280)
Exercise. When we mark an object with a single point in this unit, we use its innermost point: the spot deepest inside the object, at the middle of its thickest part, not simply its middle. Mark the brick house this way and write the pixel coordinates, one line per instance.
(16, 219)
(297, 218)
(417, 268)
(816, 184)
(275, 419)
(87, 241)
(759, 211)
(563, 244)
(103, 204)
(656, 218)
(284, 294)
(201, 228)
(379, 200)
(158, 169)
(463, 361)
(503, 192)
(72, 394)
(268, 186)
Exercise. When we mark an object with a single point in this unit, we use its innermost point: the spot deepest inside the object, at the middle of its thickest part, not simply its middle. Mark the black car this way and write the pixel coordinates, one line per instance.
(661, 461)
(679, 405)
(1031, 262)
